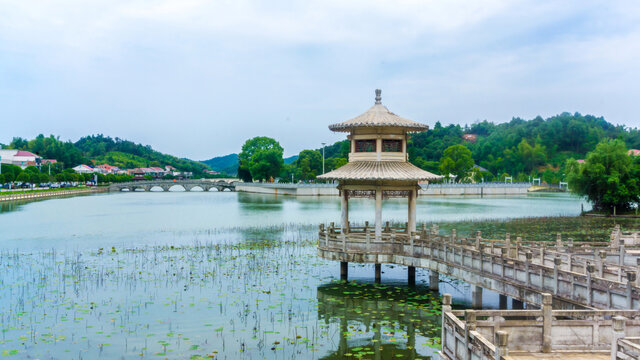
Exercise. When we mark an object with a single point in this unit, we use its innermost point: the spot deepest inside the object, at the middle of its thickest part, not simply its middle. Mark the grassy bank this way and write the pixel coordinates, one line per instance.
(41, 190)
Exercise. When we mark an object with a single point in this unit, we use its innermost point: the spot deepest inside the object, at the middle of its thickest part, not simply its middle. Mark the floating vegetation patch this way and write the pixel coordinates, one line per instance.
(543, 228)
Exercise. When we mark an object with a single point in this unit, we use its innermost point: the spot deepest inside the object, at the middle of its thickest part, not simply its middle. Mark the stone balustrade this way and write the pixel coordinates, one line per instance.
(523, 271)
(495, 334)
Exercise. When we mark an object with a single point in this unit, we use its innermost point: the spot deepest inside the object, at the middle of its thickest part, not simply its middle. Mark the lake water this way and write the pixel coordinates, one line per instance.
(218, 275)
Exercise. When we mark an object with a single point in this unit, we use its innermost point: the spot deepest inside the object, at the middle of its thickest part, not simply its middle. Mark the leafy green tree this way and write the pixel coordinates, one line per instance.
(43, 178)
(310, 164)
(23, 177)
(456, 160)
(608, 177)
(2, 181)
(243, 171)
(262, 156)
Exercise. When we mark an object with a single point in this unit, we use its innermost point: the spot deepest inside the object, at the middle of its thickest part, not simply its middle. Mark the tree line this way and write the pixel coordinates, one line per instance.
(482, 151)
(100, 149)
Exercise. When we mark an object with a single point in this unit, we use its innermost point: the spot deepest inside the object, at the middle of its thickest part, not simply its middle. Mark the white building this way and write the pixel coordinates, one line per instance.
(21, 158)
(84, 169)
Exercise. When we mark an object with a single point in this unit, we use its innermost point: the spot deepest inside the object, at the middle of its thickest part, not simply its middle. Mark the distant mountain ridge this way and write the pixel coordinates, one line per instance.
(224, 164)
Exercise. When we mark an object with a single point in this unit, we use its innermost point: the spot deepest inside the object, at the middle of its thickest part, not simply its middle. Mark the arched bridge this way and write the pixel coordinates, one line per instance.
(166, 185)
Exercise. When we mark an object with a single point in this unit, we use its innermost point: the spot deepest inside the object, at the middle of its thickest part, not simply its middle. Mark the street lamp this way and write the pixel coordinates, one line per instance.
(323, 144)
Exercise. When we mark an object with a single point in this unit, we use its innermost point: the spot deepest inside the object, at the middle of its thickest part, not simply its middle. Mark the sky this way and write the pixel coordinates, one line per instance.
(197, 78)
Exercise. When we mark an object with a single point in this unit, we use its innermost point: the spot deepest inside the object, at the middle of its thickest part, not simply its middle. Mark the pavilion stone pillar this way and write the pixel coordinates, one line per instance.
(413, 194)
(378, 213)
(344, 202)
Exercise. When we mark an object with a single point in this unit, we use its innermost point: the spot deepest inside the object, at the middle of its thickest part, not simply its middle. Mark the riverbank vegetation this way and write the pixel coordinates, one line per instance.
(609, 177)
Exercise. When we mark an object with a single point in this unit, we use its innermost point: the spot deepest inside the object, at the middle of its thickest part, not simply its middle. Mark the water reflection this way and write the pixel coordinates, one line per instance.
(380, 321)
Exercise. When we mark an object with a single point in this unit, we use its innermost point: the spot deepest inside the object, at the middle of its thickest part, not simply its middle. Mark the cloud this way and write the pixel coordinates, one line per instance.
(196, 78)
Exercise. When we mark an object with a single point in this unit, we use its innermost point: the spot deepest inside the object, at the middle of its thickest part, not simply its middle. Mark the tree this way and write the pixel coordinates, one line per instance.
(43, 178)
(243, 171)
(456, 160)
(310, 164)
(262, 156)
(23, 177)
(2, 181)
(608, 177)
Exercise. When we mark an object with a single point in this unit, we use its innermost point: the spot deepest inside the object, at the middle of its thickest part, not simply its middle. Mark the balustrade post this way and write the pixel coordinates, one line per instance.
(638, 277)
(478, 239)
(412, 243)
(393, 240)
(446, 307)
(631, 279)
(514, 249)
(542, 253)
(469, 326)
(529, 256)
(507, 242)
(481, 254)
(502, 343)
(602, 255)
(547, 321)
(503, 255)
(368, 238)
(445, 248)
(558, 241)
(366, 226)
(453, 236)
(590, 269)
(557, 262)
(621, 253)
(570, 261)
(618, 327)
(406, 228)
(386, 226)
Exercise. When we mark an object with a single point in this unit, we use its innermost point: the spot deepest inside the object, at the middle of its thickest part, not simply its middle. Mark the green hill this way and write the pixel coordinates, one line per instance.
(99, 149)
(224, 164)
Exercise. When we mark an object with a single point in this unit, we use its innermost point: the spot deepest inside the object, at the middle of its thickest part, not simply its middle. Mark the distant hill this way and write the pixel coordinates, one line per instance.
(224, 164)
(291, 159)
(100, 149)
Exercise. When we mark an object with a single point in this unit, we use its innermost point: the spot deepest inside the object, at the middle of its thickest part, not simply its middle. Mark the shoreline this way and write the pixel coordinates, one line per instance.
(49, 194)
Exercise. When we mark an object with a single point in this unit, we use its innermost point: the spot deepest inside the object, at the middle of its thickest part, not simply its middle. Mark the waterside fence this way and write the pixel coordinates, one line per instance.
(47, 194)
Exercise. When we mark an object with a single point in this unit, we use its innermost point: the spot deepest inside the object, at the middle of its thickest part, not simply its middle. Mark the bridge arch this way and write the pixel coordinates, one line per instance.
(177, 188)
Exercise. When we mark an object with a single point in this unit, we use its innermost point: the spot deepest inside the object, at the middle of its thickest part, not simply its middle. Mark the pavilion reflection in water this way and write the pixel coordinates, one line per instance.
(381, 322)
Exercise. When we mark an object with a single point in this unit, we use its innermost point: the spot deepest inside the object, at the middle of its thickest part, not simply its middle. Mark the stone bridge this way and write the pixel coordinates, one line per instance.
(166, 185)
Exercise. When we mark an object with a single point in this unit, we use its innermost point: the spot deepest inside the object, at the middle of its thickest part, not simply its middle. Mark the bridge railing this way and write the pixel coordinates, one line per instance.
(627, 348)
(492, 334)
(570, 278)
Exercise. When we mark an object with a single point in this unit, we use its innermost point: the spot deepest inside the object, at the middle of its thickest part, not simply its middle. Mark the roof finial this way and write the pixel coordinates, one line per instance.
(378, 97)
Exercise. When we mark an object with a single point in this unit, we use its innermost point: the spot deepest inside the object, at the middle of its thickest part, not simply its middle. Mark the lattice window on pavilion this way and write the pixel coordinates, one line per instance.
(389, 145)
(361, 194)
(366, 145)
(386, 194)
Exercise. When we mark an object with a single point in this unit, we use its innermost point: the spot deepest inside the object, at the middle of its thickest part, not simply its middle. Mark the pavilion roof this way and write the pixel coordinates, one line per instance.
(379, 170)
(379, 116)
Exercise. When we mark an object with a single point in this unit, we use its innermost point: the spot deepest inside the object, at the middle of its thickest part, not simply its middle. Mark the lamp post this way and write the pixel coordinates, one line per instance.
(323, 144)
